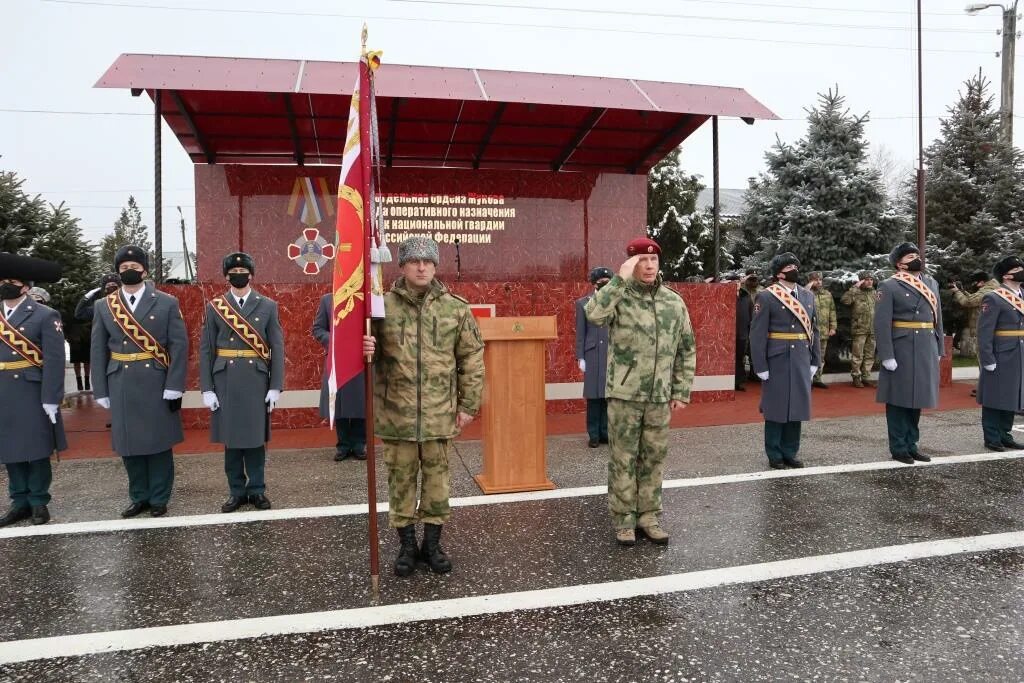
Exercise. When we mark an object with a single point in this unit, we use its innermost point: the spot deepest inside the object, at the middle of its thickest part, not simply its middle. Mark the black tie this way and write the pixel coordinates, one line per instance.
(241, 303)
(131, 300)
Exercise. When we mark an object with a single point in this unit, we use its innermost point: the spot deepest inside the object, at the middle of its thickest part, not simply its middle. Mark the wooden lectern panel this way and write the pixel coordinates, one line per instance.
(514, 412)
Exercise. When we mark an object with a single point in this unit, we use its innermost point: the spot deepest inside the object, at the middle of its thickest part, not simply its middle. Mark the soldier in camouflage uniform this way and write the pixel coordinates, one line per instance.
(972, 302)
(427, 386)
(827, 322)
(861, 300)
(651, 364)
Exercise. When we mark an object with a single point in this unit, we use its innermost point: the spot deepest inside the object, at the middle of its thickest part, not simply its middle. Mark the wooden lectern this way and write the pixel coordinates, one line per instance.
(514, 414)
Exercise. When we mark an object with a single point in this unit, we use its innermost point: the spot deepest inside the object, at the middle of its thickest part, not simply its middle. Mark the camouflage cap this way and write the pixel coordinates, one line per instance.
(866, 275)
(418, 248)
(40, 295)
(815, 275)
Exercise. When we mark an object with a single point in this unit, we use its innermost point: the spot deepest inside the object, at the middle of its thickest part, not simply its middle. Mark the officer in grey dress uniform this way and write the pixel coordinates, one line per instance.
(1001, 355)
(139, 361)
(349, 402)
(592, 356)
(786, 354)
(909, 340)
(241, 374)
(31, 387)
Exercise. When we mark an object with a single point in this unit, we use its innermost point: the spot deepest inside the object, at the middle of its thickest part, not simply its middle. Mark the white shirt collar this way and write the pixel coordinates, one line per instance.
(8, 312)
(238, 299)
(138, 297)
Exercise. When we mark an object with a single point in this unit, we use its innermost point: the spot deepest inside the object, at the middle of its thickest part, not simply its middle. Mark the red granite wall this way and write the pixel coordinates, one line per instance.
(563, 225)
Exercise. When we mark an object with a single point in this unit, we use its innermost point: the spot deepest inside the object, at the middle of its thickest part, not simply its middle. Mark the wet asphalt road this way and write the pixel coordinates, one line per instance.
(955, 617)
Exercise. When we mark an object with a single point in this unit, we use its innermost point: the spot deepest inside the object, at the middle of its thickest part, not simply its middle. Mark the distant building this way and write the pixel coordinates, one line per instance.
(732, 204)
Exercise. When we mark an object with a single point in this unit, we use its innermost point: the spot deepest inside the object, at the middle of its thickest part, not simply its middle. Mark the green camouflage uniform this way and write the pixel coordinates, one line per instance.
(429, 366)
(651, 361)
(827, 323)
(862, 330)
(972, 302)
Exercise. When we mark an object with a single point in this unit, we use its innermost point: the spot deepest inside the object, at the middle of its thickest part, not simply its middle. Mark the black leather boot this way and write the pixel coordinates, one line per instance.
(405, 563)
(431, 551)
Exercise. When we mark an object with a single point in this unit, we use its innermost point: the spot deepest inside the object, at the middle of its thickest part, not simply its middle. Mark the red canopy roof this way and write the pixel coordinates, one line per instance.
(254, 111)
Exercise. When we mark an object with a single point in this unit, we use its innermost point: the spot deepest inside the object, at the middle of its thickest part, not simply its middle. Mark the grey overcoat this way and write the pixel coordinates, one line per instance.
(592, 347)
(786, 396)
(241, 384)
(26, 433)
(141, 421)
(915, 382)
(1003, 388)
(350, 401)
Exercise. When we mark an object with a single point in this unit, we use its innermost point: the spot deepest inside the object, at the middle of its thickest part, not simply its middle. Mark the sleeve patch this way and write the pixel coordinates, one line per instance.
(757, 307)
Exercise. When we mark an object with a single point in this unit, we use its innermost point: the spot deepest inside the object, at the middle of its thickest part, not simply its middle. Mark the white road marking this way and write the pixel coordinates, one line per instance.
(137, 524)
(363, 617)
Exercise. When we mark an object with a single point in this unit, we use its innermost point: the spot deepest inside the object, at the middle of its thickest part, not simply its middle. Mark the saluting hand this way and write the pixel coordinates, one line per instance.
(627, 268)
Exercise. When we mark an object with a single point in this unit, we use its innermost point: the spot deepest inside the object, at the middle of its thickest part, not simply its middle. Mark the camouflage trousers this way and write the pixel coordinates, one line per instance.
(405, 461)
(638, 436)
(862, 355)
(823, 343)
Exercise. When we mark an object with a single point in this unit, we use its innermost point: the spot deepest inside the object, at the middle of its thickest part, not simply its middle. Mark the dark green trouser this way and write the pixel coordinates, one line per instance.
(245, 468)
(150, 477)
(29, 483)
(903, 428)
(597, 418)
(351, 433)
(781, 440)
(996, 425)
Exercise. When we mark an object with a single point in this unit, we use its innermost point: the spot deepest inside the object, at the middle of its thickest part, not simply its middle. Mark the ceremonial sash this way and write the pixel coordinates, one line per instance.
(1011, 298)
(241, 326)
(794, 306)
(921, 288)
(134, 331)
(20, 343)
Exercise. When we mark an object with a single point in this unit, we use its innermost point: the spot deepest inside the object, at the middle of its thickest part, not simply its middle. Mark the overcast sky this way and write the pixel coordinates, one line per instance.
(781, 51)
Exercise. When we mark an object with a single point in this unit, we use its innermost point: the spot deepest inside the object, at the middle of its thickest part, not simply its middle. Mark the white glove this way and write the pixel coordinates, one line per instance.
(889, 364)
(210, 400)
(172, 395)
(583, 365)
(103, 402)
(51, 411)
(271, 400)
(763, 376)
(990, 368)
(814, 370)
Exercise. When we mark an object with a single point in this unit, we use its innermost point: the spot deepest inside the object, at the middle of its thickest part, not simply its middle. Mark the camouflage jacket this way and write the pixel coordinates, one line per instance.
(826, 306)
(428, 364)
(652, 355)
(862, 309)
(972, 302)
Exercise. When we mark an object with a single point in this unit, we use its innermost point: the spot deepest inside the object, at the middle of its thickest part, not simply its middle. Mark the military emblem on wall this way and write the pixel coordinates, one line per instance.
(311, 251)
(311, 204)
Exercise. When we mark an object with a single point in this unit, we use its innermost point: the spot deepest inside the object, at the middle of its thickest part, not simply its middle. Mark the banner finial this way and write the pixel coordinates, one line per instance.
(365, 35)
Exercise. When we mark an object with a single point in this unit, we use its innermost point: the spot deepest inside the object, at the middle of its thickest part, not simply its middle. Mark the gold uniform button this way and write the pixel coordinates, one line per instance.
(15, 377)
(250, 362)
(231, 362)
(152, 317)
(257, 319)
(147, 365)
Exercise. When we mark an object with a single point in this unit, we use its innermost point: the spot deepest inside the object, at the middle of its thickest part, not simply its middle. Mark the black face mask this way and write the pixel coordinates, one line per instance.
(239, 280)
(1017, 277)
(9, 291)
(915, 266)
(130, 277)
(791, 276)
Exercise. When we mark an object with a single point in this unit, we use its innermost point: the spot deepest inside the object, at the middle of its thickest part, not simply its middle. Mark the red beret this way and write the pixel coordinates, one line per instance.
(643, 245)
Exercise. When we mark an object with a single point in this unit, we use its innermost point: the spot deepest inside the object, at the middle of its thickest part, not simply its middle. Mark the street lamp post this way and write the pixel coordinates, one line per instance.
(1008, 53)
